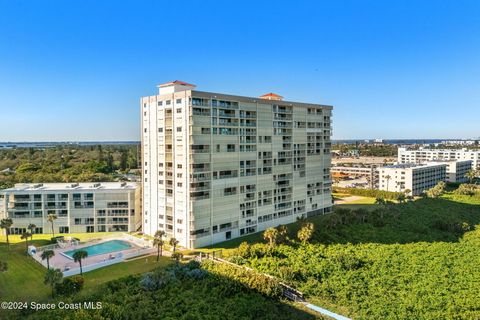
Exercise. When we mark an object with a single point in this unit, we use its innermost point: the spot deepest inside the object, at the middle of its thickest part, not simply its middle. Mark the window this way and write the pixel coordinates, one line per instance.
(205, 130)
(179, 110)
(160, 129)
(179, 221)
(168, 102)
(179, 101)
(179, 129)
(145, 113)
(144, 105)
(179, 166)
(160, 181)
(145, 130)
(179, 184)
(159, 103)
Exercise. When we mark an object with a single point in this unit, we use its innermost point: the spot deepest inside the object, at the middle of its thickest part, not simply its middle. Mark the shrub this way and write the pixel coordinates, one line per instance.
(156, 279)
(467, 189)
(243, 250)
(70, 286)
(3, 266)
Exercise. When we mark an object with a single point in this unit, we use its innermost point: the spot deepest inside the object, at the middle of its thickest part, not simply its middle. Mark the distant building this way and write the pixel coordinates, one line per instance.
(79, 207)
(424, 155)
(460, 142)
(456, 170)
(218, 166)
(417, 178)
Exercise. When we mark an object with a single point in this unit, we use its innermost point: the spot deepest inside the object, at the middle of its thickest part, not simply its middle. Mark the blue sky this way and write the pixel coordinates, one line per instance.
(74, 70)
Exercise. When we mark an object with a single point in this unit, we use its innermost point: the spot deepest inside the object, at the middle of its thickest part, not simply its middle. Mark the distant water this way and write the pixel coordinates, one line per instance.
(10, 145)
(395, 141)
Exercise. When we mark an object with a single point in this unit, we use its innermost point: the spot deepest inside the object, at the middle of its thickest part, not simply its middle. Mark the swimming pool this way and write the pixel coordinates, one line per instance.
(101, 248)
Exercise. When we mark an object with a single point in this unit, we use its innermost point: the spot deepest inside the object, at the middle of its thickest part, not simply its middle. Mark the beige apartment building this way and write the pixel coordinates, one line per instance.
(424, 155)
(456, 169)
(219, 166)
(417, 178)
(79, 207)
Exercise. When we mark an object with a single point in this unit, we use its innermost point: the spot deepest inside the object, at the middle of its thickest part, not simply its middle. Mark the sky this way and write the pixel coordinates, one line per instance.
(75, 70)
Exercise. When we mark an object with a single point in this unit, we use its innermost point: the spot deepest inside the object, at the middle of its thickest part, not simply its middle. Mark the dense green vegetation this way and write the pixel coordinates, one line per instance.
(369, 149)
(373, 193)
(65, 163)
(185, 291)
(414, 260)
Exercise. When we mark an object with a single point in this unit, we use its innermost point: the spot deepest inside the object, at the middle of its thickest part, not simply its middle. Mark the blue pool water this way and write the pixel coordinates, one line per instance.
(101, 248)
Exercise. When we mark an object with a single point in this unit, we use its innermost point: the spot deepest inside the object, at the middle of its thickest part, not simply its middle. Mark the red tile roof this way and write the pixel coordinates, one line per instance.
(176, 82)
(271, 94)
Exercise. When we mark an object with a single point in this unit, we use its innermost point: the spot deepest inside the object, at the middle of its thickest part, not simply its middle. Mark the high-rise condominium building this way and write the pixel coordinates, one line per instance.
(218, 166)
(78, 207)
(424, 155)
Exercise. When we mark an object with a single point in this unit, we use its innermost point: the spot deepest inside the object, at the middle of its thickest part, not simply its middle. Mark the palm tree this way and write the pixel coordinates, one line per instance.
(173, 243)
(78, 256)
(53, 277)
(31, 227)
(47, 254)
(25, 237)
(471, 175)
(271, 235)
(6, 224)
(306, 232)
(388, 177)
(158, 242)
(51, 218)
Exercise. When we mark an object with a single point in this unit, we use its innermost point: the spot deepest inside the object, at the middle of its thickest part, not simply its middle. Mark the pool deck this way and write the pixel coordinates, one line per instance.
(60, 261)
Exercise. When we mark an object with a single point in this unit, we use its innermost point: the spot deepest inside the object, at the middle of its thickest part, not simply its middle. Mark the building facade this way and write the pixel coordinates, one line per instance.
(425, 155)
(79, 207)
(218, 166)
(417, 178)
(456, 169)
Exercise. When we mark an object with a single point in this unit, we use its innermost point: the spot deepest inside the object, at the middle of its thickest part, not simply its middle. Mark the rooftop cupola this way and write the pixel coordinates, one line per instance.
(271, 96)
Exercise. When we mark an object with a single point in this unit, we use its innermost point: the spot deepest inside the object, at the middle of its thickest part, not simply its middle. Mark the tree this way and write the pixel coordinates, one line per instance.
(25, 237)
(436, 191)
(158, 242)
(173, 242)
(388, 177)
(46, 255)
(6, 224)
(31, 227)
(177, 256)
(282, 233)
(471, 175)
(271, 235)
(306, 232)
(78, 257)
(53, 277)
(51, 218)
